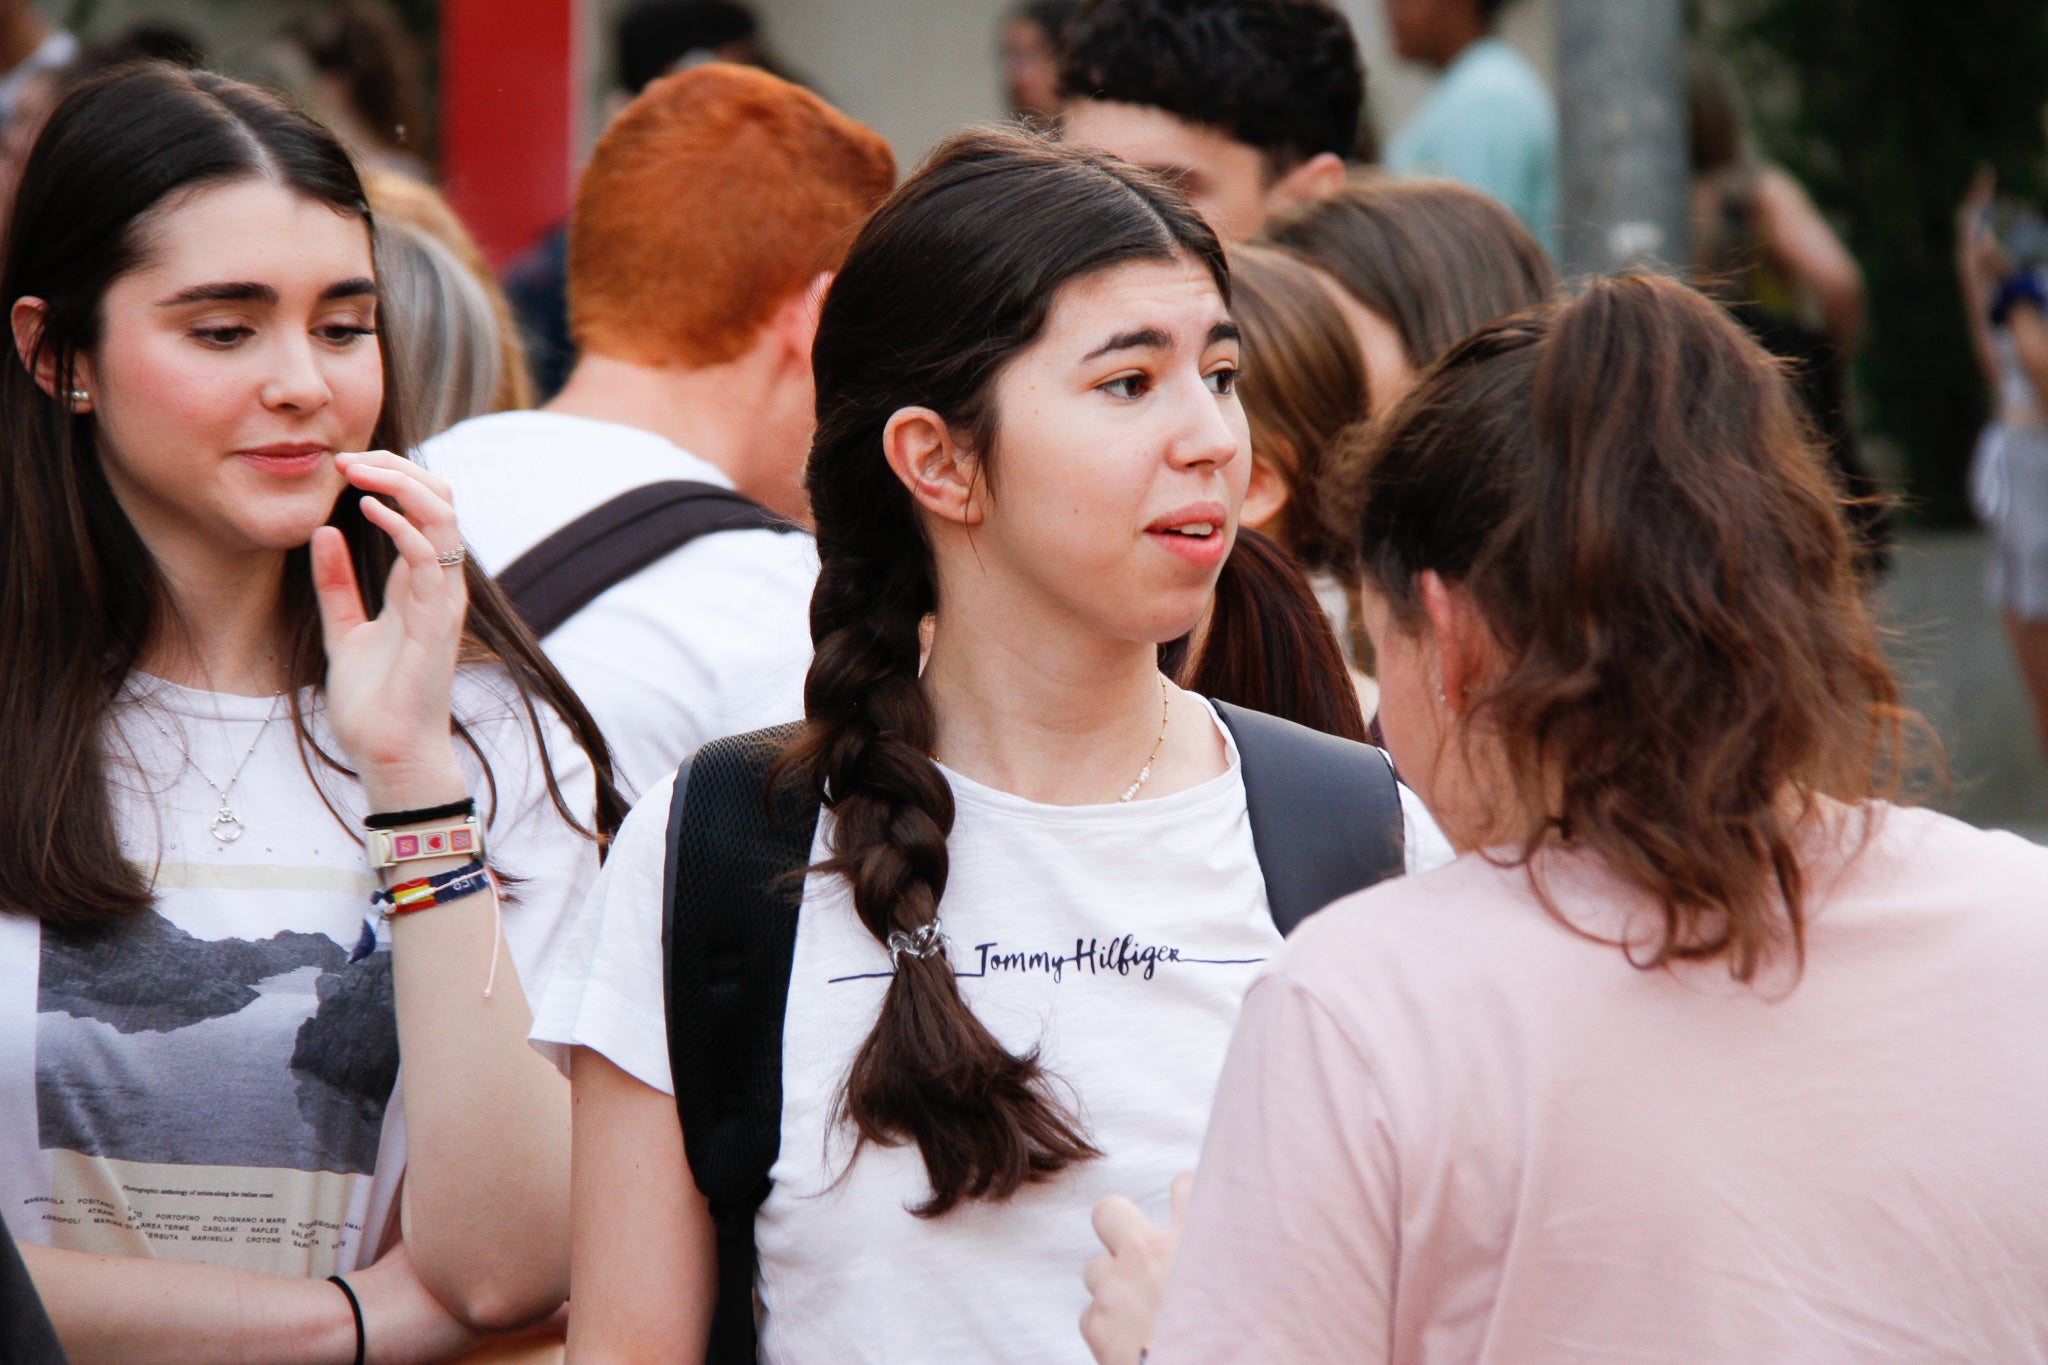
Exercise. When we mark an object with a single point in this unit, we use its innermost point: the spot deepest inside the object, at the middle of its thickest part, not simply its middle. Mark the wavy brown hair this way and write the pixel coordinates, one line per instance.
(954, 276)
(1624, 486)
(80, 594)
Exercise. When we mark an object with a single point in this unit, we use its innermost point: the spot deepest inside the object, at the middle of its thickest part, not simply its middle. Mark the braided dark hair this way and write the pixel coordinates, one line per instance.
(953, 276)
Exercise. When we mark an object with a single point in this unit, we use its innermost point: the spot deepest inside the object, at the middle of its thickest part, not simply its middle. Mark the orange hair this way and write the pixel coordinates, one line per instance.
(713, 197)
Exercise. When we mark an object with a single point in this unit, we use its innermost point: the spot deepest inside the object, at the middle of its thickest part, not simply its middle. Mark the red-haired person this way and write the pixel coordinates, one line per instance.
(1705, 1049)
(712, 215)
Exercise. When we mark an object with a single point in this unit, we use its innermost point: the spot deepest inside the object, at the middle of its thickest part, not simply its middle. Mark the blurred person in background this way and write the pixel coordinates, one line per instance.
(1246, 106)
(37, 93)
(1302, 385)
(1028, 50)
(694, 333)
(1415, 266)
(652, 39)
(1705, 1048)
(29, 44)
(1489, 122)
(361, 74)
(2002, 264)
(445, 352)
(1765, 252)
(398, 199)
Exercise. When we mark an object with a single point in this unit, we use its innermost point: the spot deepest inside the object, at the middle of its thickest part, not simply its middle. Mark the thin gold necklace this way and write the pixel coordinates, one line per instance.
(1165, 710)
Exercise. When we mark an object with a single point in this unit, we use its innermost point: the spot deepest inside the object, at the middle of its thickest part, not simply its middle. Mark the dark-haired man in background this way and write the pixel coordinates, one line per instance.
(1250, 106)
(1490, 122)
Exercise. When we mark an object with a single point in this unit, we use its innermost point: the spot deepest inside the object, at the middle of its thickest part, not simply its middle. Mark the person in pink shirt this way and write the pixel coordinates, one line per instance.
(1705, 1049)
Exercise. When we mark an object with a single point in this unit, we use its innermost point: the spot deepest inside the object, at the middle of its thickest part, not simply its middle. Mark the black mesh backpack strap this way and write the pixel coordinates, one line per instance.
(728, 935)
(1325, 812)
(615, 540)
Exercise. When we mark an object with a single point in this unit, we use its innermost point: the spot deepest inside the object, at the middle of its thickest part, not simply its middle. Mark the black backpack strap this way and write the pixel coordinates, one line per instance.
(615, 540)
(728, 936)
(1325, 812)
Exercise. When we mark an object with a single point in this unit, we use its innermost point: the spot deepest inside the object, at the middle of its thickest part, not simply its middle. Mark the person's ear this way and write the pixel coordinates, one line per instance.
(796, 321)
(939, 472)
(29, 316)
(1464, 647)
(1319, 177)
(1265, 497)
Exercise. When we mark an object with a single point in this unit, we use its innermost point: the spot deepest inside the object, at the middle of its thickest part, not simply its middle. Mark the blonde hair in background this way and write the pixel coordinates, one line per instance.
(398, 198)
(438, 323)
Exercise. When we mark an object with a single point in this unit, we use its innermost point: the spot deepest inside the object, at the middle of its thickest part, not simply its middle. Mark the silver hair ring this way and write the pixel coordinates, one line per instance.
(452, 557)
(925, 941)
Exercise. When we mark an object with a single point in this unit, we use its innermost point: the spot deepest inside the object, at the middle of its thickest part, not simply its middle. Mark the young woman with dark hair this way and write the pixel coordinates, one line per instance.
(233, 641)
(1416, 265)
(1035, 900)
(1706, 1050)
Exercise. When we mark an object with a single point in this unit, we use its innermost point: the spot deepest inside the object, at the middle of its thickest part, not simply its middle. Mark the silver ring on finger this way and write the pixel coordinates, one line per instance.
(451, 558)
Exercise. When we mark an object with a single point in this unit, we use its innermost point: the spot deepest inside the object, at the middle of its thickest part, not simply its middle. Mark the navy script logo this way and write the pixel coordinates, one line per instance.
(1123, 955)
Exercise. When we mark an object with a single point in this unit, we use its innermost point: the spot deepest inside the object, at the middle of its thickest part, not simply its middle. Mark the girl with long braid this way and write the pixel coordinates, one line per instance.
(1034, 900)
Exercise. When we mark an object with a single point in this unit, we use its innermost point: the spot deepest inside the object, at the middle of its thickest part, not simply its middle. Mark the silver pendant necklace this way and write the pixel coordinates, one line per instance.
(226, 826)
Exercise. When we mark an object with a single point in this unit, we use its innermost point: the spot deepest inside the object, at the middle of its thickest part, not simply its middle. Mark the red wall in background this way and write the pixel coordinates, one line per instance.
(509, 113)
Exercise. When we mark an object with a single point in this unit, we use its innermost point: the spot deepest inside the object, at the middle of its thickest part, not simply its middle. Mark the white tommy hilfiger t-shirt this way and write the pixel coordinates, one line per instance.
(1118, 940)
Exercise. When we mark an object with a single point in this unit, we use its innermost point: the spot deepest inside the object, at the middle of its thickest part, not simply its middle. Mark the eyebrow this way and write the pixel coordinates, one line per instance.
(248, 291)
(1152, 338)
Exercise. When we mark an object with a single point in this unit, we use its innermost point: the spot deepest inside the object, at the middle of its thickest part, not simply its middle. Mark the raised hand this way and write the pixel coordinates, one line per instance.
(1126, 1284)
(389, 678)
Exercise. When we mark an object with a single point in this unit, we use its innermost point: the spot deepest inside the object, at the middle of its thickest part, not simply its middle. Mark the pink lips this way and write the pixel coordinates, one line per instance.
(286, 459)
(1198, 533)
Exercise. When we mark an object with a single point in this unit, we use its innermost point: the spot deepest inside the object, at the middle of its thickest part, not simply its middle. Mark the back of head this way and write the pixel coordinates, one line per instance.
(363, 44)
(655, 37)
(1718, 138)
(442, 330)
(1303, 383)
(1433, 258)
(711, 199)
(1283, 76)
(949, 281)
(1624, 487)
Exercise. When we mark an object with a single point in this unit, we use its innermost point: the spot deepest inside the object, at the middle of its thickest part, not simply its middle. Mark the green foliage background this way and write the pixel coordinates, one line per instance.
(1884, 108)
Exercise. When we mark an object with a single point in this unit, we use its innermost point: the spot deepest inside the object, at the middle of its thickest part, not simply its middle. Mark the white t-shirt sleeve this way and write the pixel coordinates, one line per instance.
(607, 992)
(1427, 848)
(551, 865)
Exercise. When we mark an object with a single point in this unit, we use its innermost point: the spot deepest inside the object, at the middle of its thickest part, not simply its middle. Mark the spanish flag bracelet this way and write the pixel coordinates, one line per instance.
(424, 893)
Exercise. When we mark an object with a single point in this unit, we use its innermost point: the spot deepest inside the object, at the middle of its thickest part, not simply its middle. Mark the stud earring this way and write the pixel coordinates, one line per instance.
(80, 396)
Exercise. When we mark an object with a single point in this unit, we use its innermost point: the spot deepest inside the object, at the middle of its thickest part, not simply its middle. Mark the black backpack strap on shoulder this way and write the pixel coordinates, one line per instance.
(615, 540)
(728, 936)
(1325, 812)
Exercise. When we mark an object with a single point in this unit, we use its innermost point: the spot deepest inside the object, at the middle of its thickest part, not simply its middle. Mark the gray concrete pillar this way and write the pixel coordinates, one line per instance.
(1622, 135)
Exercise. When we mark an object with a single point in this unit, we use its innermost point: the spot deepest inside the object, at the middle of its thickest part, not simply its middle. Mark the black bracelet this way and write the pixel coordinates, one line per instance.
(454, 810)
(355, 1306)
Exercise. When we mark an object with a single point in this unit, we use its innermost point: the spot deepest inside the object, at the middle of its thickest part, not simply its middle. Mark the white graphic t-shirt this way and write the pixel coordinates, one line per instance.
(1119, 940)
(215, 1079)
